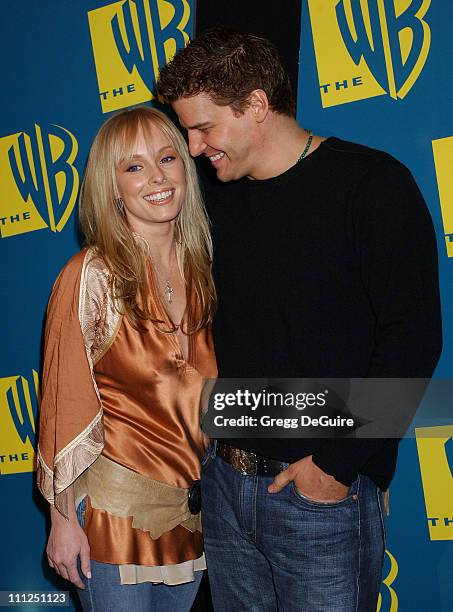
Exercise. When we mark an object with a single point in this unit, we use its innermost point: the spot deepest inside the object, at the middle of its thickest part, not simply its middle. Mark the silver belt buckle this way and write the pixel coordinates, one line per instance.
(244, 462)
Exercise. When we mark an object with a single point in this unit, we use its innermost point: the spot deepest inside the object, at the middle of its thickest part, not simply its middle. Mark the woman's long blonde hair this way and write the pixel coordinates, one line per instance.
(106, 229)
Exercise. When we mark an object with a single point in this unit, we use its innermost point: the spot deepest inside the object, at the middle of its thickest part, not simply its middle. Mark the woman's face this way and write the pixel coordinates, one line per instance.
(152, 182)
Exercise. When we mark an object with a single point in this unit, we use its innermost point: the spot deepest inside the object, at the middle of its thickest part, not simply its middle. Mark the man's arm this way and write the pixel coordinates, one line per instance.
(397, 252)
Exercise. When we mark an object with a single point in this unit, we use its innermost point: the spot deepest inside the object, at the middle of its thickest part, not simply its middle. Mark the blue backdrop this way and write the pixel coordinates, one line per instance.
(380, 76)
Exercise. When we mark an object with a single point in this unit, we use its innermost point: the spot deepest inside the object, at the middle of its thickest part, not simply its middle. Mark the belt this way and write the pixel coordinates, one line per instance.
(249, 464)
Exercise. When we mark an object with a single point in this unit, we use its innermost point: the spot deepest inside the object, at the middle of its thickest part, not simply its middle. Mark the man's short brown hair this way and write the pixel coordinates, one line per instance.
(227, 66)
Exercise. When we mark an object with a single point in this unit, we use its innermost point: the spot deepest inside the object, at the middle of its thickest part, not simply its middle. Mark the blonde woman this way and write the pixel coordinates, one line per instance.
(127, 347)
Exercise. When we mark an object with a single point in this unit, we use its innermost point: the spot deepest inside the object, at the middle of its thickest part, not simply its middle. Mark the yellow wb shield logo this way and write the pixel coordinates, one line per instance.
(131, 39)
(388, 599)
(39, 183)
(443, 159)
(367, 48)
(435, 452)
(18, 407)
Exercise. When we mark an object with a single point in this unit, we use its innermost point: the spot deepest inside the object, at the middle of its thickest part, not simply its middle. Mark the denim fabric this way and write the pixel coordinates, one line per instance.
(105, 593)
(282, 551)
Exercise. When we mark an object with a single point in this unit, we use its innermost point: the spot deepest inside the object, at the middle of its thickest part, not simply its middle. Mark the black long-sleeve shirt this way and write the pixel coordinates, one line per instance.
(327, 270)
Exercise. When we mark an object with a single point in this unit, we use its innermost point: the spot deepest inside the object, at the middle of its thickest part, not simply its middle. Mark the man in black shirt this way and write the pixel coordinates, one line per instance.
(325, 263)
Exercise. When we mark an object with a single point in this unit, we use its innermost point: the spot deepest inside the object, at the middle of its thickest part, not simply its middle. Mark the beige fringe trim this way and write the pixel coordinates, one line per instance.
(69, 464)
(100, 318)
(162, 574)
(155, 507)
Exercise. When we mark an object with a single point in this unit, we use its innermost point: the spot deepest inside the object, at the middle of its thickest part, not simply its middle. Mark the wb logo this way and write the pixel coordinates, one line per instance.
(39, 180)
(388, 599)
(443, 159)
(367, 48)
(131, 40)
(435, 452)
(18, 409)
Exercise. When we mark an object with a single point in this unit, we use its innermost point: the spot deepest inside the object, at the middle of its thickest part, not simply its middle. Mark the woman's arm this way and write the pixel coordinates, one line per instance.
(66, 542)
(70, 420)
(70, 408)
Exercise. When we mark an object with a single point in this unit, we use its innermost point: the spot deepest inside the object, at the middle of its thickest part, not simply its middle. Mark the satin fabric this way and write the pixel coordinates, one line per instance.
(120, 543)
(70, 413)
(151, 400)
(151, 397)
(148, 417)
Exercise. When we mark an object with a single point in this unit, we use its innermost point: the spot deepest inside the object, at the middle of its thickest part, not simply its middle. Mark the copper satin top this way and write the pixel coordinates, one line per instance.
(151, 401)
(110, 390)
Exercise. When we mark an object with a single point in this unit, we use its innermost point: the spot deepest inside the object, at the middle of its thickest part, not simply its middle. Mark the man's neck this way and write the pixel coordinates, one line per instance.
(283, 141)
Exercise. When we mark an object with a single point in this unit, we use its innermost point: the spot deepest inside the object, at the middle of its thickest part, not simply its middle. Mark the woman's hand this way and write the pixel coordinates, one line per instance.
(67, 541)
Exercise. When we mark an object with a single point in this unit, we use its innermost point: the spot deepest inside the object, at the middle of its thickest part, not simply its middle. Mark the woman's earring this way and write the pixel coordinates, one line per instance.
(119, 204)
(178, 232)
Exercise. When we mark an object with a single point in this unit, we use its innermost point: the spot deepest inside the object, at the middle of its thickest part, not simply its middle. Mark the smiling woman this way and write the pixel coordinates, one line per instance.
(137, 156)
(128, 344)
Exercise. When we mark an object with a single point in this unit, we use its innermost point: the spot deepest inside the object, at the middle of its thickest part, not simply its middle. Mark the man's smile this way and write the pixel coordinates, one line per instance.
(216, 157)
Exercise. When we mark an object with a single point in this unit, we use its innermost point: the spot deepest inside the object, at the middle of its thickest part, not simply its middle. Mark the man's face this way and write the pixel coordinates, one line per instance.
(227, 138)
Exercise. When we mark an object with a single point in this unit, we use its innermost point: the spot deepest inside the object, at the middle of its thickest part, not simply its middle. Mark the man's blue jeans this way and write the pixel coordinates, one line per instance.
(282, 551)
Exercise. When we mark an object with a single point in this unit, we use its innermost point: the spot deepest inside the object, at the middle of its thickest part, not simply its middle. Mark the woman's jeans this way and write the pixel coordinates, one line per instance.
(282, 551)
(104, 592)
